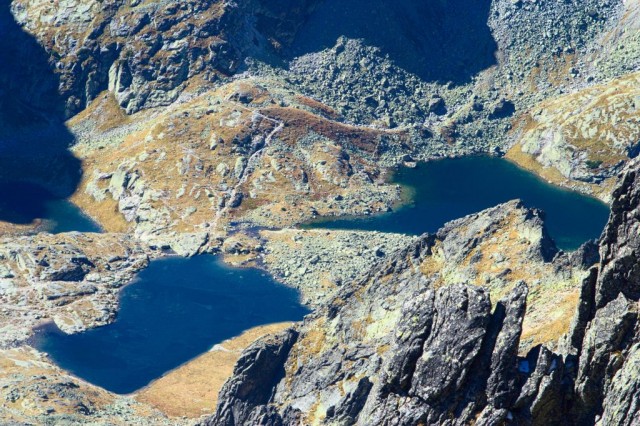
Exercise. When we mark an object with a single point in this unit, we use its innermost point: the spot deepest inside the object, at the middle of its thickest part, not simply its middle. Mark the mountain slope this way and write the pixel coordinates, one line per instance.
(399, 347)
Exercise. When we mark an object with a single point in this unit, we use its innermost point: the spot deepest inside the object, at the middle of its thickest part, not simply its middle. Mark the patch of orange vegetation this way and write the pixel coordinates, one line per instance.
(528, 162)
(184, 157)
(549, 174)
(192, 389)
(560, 68)
(11, 229)
(104, 112)
(325, 284)
(36, 391)
(177, 157)
(533, 77)
(555, 321)
(432, 264)
(105, 213)
(359, 327)
(317, 107)
(298, 123)
(310, 344)
(593, 127)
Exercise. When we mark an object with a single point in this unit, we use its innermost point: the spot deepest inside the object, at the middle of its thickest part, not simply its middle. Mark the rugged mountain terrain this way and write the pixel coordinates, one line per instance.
(591, 127)
(400, 346)
(146, 52)
(216, 126)
(237, 153)
(479, 80)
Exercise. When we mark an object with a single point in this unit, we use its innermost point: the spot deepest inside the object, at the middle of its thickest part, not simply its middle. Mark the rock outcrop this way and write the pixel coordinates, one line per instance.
(195, 121)
(583, 139)
(461, 81)
(239, 153)
(395, 348)
(145, 53)
(604, 387)
(72, 279)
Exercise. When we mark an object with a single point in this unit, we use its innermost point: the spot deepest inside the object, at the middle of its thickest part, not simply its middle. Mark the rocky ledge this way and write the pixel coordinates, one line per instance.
(72, 279)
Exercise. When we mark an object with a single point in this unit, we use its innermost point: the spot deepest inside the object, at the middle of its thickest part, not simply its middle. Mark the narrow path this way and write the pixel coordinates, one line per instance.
(250, 166)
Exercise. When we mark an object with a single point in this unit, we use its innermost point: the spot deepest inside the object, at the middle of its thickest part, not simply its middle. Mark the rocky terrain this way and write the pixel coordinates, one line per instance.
(318, 262)
(192, 390)
(215, 126)
(399, 346)
(34, 391)
(72, 279)
(146, 52)
(582, 140)
(449, 96)
(240, 153)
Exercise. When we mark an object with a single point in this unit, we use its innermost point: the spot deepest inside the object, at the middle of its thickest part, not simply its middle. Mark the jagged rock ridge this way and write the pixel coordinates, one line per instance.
(393, 348)
(218, 154)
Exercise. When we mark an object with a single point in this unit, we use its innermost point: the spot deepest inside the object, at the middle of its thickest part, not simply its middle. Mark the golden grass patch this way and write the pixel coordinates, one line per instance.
(192, 389)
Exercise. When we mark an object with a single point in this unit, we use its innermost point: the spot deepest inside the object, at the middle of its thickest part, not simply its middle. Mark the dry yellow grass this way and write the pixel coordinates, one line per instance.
(104, 112)
(36, 375)
(190, 157)
(8, 229)
(552, 175)
(528, 162)
(192, 389)
(106, 213)
(499, 262)
(555, 324)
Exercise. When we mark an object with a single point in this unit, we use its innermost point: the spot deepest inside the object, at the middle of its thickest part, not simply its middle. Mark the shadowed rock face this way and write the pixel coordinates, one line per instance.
(393, 348)
(29, 90)
(34, 140)
(146, 52)
(607, 383)
(383, 348)
(436, 40)
(385, 372)
(280, 20)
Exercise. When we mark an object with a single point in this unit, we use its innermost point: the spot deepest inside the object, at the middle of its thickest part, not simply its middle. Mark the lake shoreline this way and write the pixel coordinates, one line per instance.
(163, 321)
(448, 172)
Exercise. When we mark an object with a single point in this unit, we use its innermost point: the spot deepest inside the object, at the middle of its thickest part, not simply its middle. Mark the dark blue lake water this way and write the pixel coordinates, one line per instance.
(23, 204)
(177, 309)
(448, 189)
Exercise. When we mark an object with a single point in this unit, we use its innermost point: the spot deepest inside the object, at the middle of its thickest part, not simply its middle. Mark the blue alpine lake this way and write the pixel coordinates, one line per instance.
(179, 308)
(25, 204)
(176, 310)
(443, 190)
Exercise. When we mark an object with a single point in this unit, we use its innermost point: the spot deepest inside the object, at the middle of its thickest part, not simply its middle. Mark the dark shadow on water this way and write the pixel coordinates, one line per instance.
(436, 40)
(25, 203)
(177, 309)
(21, 203)
(34, 141)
